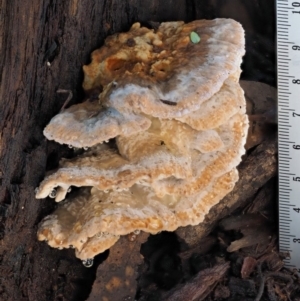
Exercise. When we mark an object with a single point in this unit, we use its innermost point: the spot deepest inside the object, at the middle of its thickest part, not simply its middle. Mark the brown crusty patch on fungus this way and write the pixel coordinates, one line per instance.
(78, 219)
(165, 65)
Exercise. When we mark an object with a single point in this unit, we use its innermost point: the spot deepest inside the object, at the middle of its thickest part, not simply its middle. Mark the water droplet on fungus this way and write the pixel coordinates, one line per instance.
(88, 262)
(52, 194)
(131, 237)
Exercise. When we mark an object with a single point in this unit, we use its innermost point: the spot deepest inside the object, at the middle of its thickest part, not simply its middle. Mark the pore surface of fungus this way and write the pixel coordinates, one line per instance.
(172, 101)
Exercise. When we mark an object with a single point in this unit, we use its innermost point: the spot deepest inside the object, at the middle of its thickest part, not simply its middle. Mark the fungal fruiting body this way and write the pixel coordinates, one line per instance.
(172, 102)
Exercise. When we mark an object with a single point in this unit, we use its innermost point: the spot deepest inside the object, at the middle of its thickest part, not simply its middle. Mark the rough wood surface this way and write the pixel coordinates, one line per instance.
(116, 277)
(43, 45)
(255, 229)
(261, 102)
(198, 287)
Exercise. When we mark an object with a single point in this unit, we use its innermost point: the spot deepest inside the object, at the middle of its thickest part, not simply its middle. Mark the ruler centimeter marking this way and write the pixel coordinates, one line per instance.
(288, 79)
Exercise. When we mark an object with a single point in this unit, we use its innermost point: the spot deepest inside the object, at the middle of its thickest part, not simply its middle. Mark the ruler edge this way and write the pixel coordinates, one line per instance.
(282, 237)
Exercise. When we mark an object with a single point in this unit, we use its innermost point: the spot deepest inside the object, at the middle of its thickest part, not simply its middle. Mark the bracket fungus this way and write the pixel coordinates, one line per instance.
(172, 101)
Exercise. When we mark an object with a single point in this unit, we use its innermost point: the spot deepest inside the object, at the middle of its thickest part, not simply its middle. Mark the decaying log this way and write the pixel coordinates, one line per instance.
(248, 266)
(240, 288)
(254, 227)
(199, 286)
(261, 102)
(116, 276)
(263, 197)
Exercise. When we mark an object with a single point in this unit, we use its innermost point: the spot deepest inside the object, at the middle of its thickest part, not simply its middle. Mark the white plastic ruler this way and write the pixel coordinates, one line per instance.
(288, 63)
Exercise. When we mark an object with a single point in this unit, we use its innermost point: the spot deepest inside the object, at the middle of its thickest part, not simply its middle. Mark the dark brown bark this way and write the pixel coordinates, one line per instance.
(43, 47)
(198, 287)
(116, 277)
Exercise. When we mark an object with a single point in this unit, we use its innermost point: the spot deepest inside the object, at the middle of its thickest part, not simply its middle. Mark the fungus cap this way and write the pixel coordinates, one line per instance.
(103, 168)
(88, 123)
(78, 220)
(162, 73)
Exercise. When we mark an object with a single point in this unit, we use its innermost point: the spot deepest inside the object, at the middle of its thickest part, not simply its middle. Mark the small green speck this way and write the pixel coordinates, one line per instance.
(194, 37)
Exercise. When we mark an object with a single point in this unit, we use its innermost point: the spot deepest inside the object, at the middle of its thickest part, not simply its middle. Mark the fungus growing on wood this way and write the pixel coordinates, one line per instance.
(171, 100)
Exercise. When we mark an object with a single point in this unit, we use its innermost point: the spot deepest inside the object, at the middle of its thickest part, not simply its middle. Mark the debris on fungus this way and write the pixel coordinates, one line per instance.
(174, 106)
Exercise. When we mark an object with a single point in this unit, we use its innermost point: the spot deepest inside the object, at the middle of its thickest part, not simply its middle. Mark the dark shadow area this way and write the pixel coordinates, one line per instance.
(164, 266)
